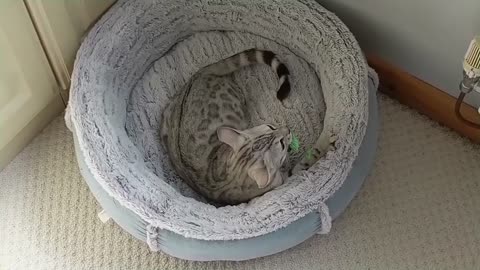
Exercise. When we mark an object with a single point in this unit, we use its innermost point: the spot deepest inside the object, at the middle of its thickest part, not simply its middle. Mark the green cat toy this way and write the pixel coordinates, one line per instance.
(295, 144)
(295, 147)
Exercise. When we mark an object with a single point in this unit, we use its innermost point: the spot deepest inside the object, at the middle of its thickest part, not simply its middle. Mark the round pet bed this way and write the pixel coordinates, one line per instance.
(139, 55)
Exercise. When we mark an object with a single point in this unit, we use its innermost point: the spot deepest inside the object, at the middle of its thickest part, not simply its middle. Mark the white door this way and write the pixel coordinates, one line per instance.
(29, 93)
(61, 24)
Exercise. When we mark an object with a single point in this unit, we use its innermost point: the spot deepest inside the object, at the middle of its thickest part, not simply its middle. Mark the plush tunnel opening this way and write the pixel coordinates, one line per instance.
(145, 108)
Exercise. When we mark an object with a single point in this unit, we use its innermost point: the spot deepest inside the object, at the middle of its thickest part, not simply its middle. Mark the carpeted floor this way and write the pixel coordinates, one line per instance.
(419, 209)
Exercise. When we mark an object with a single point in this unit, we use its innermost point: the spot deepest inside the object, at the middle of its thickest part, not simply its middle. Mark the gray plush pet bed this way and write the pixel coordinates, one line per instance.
(140, 54)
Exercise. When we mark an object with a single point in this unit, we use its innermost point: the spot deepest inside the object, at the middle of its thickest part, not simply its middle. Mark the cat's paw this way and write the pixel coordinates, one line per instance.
(298, 168)
(309, 158)
(332, 140)
(313, 155)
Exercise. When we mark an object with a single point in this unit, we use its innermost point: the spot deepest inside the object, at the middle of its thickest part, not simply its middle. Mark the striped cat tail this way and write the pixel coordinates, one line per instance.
(269, 58)
(251, 57)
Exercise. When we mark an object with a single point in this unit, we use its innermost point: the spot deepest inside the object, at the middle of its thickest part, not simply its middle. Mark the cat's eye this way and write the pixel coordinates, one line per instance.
(282, 143)
(271, 127)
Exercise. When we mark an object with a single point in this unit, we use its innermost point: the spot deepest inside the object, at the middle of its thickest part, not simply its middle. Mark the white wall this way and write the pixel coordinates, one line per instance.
(427, 38)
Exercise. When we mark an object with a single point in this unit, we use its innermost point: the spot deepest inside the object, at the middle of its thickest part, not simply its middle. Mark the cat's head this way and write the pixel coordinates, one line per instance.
(259, 151)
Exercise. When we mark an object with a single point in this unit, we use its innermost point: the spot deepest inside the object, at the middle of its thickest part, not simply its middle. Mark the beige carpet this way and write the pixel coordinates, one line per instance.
(419, 209)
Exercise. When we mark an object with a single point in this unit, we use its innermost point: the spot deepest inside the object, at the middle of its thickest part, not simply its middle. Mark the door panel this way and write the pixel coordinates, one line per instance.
(27, 84)
(61, 25)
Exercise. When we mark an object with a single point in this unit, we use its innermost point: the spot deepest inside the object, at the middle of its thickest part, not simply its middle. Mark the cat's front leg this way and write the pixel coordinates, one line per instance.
(325, 143)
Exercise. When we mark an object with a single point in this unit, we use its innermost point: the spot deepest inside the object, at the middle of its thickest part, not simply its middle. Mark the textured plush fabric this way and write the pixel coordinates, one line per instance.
(135, 43)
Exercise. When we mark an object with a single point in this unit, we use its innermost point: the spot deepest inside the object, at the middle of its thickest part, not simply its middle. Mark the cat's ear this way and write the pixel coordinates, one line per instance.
(231, 137)
(260, 175)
